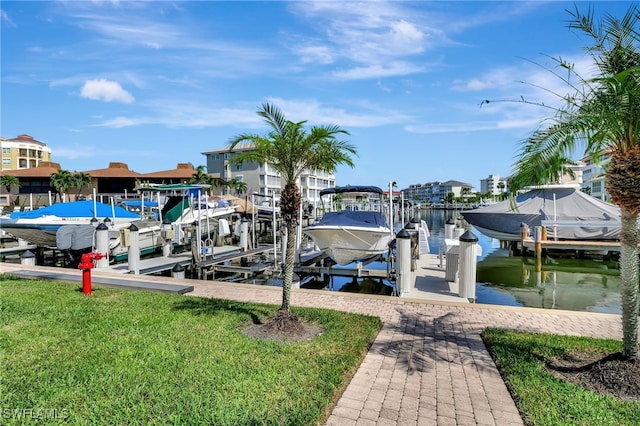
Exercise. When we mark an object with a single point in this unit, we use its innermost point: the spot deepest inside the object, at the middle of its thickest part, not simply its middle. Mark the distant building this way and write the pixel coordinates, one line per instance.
(436, 192)
(262, 178)
(116, 181)
(594, 177)
(23, 152)
(492, 185)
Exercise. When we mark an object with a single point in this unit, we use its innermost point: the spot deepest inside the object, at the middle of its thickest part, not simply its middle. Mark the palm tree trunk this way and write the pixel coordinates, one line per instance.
(288, 265)
(630, 281)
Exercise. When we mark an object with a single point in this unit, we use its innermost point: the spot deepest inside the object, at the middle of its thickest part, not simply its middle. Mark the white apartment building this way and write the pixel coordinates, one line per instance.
(594, 177)
(435, 192)
(491, 184)
(262, 178)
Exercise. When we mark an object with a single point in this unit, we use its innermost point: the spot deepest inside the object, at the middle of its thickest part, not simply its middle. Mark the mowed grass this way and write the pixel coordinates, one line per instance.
(544, 399)
(135, 357)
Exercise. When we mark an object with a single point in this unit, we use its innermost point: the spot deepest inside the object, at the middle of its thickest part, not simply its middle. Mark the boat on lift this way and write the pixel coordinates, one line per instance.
(353, 227)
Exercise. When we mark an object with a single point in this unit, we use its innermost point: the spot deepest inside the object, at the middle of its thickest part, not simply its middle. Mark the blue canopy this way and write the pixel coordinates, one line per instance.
(76, 209)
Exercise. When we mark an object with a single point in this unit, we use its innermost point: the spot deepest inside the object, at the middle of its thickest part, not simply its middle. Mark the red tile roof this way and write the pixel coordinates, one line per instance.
(115, 170)
(44, 169)
(182, 171)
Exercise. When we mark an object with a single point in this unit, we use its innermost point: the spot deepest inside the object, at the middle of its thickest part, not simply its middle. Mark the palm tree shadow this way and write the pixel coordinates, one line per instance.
(417, 343)
(212, 307)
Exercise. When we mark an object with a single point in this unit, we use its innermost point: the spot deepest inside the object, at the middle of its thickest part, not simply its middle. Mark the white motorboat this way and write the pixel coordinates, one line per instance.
(186, 212)
(353, 227)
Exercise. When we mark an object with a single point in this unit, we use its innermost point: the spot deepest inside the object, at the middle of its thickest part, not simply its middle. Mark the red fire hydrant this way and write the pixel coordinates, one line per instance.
(86, 264)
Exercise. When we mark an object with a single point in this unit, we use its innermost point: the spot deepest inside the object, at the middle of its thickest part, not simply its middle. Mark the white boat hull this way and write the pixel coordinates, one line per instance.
(349, 244)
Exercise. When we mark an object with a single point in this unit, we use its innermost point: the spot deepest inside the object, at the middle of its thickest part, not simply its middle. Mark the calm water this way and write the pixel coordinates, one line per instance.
(591, 285)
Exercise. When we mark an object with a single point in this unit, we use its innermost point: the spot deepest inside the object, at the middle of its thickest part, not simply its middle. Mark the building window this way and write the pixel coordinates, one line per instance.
(6, 161)
(227, 156)
(6, 150)
(215, 157)
(596, 187)
(35, 187)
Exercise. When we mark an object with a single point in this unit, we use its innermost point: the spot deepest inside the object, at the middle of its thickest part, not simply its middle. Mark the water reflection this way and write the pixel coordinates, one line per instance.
(591, 285)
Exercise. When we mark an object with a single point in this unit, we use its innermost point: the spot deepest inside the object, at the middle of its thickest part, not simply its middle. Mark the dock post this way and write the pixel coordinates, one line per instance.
(28, 258)
(413, 233)
(167, 236)
(244, 233)
(133, 257)
(177, 271)
(537, 239)
(102, 245)
(452, 260)
(457, 232)
(403, 282)
(467, 274)
(448, 229)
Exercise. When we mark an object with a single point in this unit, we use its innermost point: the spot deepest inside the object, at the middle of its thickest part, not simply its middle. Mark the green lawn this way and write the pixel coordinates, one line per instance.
(545, 400)
(137, 357)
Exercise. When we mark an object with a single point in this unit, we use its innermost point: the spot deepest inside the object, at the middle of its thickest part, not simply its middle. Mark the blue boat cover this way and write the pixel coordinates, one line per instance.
(76, 209)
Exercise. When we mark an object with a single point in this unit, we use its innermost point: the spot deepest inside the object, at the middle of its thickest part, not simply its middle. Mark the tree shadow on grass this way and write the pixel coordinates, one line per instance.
(261, 317)
(210, 307)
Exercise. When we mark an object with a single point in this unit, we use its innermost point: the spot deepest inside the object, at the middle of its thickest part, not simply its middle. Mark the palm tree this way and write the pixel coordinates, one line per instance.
(200, 176)
(80, 180)
(602, 114)
(61, 181)
(9, 180)
(239, 186)
(290, 149)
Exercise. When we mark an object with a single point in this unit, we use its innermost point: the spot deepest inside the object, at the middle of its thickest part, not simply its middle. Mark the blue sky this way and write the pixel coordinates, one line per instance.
(156, 83)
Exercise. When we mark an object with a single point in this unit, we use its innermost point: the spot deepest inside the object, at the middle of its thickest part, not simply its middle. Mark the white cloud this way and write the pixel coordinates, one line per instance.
(315, 54)
(104, 90)
(5, 18)
(318, 114)
(367, 37)
(378, 70)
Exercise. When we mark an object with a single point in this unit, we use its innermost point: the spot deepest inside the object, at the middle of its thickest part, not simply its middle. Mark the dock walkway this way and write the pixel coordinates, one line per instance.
(428, 365)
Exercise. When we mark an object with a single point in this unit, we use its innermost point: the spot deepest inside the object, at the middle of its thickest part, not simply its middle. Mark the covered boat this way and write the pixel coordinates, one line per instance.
(357, 230)
(39, 226)
(553, 203)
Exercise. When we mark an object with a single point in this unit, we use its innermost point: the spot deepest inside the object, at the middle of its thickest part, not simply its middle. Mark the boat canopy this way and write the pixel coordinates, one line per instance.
(349, 188)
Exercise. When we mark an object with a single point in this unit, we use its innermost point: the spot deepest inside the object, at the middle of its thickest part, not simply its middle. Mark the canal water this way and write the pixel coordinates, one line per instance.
(588, 285)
